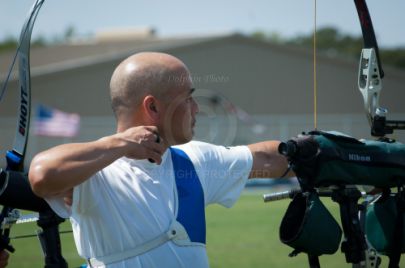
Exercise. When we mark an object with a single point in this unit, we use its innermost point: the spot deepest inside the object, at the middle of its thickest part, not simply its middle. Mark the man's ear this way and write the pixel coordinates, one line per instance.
(150, 106)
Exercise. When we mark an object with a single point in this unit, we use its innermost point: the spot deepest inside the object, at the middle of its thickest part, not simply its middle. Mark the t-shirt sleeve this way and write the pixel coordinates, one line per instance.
(85, 197)
(87, 194)
(223, 171)
(57, 204)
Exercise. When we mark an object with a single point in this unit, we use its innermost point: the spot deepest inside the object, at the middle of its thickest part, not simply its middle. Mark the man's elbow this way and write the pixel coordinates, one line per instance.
(37, 177)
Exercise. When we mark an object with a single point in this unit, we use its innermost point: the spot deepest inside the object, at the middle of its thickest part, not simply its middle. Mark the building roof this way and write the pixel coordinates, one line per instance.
(55, 58)
(61, 57)
(285, 72)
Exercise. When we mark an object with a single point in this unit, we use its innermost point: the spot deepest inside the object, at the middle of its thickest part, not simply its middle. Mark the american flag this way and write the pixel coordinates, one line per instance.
(55, 123)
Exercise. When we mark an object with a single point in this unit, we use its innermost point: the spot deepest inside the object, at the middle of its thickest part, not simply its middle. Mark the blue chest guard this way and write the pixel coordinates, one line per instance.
(191, 205)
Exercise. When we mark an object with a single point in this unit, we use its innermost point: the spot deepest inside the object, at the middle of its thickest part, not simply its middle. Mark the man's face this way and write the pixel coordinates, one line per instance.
(179, 114)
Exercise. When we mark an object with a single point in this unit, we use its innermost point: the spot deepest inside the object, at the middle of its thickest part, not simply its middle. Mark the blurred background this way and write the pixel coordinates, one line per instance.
(251, 62)
(252, 65)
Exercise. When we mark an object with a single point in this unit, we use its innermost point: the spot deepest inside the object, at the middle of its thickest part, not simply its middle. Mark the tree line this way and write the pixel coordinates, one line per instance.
(329, 40)
(11, 43)
(333, 42)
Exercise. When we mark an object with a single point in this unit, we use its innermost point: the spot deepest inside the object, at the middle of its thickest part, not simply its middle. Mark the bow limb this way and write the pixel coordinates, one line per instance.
(367, 29)
(15, 157)
(23, 123)
(48, 220)
(370, 70)
(370, 78)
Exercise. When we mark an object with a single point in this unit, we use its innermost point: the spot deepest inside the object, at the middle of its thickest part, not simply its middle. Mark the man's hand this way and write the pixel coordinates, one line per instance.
(58, 170)
(143, 143)
(4, 256)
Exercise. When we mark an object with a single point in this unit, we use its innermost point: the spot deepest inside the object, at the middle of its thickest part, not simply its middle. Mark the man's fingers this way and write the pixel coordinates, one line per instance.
(157, 138)
(155, 158)
(155, 151)
(153, 134)
(152, 129)
(157, 147)
(145, 143)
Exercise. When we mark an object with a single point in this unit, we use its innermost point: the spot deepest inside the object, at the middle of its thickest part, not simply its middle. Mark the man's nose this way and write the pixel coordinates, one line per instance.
(196, 109)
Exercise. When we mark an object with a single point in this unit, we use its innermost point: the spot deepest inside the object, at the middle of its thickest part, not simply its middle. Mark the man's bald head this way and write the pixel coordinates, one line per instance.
(146, 73)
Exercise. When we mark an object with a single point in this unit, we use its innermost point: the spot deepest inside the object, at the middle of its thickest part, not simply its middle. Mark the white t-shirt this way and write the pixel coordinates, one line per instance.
(133, 201)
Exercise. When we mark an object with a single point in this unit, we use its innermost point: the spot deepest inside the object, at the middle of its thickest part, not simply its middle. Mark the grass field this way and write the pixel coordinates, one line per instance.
(243, 236)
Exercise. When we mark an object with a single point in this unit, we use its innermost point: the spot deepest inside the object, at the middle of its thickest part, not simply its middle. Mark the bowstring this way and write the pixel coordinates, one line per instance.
(314, 71)
(4, 86)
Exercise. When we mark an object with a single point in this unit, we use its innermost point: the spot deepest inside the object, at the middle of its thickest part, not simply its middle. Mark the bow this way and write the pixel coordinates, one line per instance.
(15, 157)
(370, 85)
(370, 77)
(331, 160)
(48, 220)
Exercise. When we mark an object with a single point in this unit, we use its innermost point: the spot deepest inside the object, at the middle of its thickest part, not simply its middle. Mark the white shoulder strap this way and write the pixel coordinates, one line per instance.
(175, 232)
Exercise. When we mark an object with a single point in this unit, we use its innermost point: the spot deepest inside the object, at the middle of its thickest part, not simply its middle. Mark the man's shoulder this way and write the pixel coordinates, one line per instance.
(201, 145)
(196, 147)
(116, 168)
(203, 150)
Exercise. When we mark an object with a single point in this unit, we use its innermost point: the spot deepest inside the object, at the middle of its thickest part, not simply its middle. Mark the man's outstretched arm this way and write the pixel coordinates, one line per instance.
(267, 161)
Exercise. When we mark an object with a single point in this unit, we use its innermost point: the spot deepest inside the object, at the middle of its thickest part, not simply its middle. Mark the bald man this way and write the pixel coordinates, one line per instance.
(136, 198)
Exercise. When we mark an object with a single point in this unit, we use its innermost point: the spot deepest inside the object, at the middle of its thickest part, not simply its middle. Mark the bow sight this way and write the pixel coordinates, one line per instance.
(332, 164)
